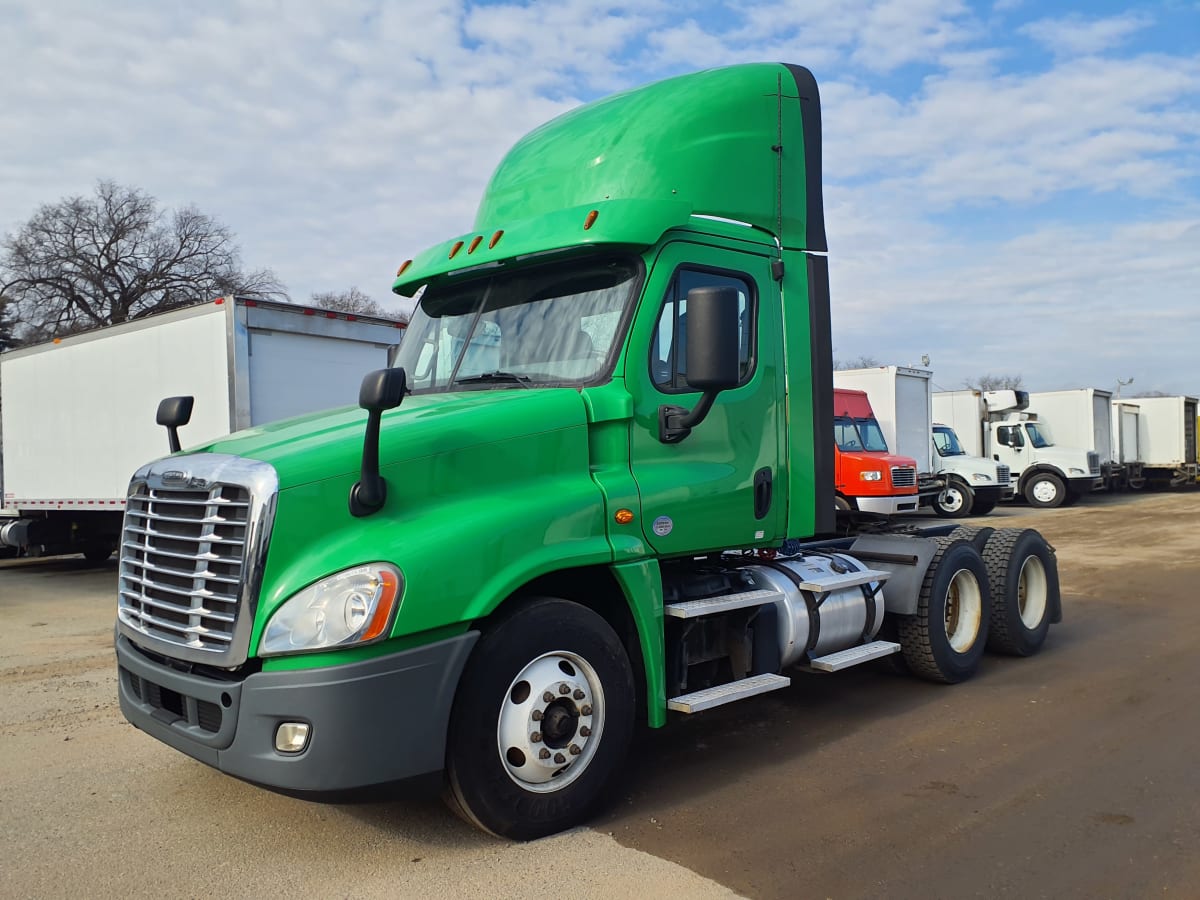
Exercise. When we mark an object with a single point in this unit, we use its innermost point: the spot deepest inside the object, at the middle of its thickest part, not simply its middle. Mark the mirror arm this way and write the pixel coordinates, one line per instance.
(676, 422)
(369, 493)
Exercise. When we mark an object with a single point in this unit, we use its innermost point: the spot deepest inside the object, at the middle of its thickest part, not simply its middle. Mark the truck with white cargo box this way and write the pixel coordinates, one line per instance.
(1084, 418)
(74, 410)
(1167, 439)
(1126, 445)
(954, 482)
(1000, 424)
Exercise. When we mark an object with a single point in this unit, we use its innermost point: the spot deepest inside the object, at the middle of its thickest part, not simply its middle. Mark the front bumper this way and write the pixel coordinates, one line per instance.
(371, 722)
(887, 506)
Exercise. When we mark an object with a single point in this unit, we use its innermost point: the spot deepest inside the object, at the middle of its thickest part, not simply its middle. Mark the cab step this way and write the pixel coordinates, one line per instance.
(854, 656)
(837, 582)
(697, 701)
(690, 609)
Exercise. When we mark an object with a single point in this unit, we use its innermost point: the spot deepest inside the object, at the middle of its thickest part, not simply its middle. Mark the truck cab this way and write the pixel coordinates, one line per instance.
(974, 484)
(868, 477)
(1049, 475)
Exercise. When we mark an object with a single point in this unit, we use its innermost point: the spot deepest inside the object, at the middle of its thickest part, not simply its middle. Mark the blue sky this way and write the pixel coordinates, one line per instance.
(1011, 186)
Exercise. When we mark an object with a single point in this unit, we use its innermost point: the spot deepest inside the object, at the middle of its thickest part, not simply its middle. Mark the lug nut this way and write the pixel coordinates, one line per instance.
(564, 688)
(537, 715)
(547, 697)
(578, 695)
(586, 709)
(559, 758)
(574, 750)
(543, 753)
(536, 737)
(584, 731)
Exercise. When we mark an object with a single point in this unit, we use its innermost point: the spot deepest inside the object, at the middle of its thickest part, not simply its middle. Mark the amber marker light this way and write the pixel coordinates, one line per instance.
(591, 219)
(383, 610)
(458, 245)
(403, 267)
(474, 243)
(624, 516)
(495, 238)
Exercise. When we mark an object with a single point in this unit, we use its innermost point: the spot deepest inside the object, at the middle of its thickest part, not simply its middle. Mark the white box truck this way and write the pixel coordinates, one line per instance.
(1084, 418)
(78, 413)
(1127, 452)
(1167, 439)
(1000, 425)
(952, 480)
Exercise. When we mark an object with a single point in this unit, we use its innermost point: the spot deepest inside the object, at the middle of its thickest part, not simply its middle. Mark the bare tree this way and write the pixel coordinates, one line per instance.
(8, 339)
(90, 261)
(859, 362)
(353, 301)
(991, 382)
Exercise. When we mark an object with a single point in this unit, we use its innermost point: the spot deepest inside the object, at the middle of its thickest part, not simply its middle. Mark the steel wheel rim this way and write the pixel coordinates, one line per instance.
(1032, 592)
(1044, 491)
(964, 610)
(545, 745)
(952, 499)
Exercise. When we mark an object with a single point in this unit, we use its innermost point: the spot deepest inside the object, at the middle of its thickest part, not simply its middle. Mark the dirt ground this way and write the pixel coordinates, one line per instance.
(1071, 774)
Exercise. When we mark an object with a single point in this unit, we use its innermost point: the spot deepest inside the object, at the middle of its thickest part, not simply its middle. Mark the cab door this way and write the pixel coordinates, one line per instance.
(725, 484)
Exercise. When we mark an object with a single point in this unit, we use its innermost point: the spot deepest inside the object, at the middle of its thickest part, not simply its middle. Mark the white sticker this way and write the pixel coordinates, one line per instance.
(759, 535)
(663, 526)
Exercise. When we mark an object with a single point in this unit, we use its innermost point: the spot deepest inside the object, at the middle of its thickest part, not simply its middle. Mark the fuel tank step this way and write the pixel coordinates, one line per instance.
(854, 656)
(837, 582)
(690, 609)
(697, 701)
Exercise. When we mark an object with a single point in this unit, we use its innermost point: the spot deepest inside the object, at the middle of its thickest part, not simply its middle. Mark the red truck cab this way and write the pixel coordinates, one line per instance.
(866, 475)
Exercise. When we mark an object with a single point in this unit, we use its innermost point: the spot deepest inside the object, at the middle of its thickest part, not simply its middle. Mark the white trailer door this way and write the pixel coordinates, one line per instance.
(1102, 425)
(292, 374)
(914, 420)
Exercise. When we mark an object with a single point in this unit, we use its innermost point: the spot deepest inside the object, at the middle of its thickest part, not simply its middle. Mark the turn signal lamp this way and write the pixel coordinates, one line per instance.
(624, 516)
(591, 219)
(403, 267)
(495, 238)
(474, 243)
(458, 245)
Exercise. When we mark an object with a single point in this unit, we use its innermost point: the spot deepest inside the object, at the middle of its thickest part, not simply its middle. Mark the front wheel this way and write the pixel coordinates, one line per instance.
(954, 501)
(1045, 489)
(542, 720)
(982, 507)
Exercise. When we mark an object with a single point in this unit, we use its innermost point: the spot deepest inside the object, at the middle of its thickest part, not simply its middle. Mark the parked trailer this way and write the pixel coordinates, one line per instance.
(953, 481)
(1126, 443)
(1167, 438)
(1084, 418)
(74, 410)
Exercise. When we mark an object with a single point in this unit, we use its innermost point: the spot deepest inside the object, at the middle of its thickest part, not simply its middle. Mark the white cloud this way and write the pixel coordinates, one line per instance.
(1075, 35)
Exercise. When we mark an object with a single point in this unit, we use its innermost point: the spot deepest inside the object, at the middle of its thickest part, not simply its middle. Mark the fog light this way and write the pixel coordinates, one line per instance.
(291, 737)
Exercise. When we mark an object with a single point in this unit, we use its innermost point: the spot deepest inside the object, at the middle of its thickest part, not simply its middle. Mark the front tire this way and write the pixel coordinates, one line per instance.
(523, 766)
(944, 641)
(954, 501)
(1023, 577)
(1046, 490)
(982, 507)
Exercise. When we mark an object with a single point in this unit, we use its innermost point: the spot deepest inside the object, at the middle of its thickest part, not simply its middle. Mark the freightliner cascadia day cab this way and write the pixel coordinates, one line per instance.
(950, 480)
(591, 491)
(867, 476)
(999, 424)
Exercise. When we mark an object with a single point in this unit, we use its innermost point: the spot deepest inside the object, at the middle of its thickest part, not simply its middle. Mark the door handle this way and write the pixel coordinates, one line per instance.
(762, 492)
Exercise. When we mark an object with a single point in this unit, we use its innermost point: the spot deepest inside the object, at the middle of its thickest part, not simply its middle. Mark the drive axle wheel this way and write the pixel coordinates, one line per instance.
(944, 641)
(542, 720)
(1023, 576)
(1045, 489)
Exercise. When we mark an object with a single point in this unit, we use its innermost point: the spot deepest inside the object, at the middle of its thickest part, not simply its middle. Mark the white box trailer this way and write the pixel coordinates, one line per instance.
(1083, 417)
(956, 482)
(1126, 444)
(1167, 439)
(78, 414)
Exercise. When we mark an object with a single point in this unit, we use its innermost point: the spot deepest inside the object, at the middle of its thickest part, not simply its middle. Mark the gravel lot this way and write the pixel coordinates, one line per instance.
(1069, 774)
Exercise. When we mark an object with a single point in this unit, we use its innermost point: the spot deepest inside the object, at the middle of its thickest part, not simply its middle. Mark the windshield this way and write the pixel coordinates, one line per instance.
(858, 434)
(551, 325)
(1036, 437)
(945, 441)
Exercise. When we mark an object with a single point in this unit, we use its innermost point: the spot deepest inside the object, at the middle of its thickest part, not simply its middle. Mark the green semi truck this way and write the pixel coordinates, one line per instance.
(594, 491)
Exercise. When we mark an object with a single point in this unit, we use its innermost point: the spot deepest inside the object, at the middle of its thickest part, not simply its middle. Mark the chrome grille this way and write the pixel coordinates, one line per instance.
(1003, 474)
(182, 557)
(192, 548)
(1094, 462)
(904, 476)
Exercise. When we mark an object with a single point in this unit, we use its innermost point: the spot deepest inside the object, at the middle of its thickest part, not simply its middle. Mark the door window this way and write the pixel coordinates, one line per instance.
(668, 348)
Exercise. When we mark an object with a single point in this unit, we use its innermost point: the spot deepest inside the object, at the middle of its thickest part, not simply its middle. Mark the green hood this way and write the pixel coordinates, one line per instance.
(329, 444)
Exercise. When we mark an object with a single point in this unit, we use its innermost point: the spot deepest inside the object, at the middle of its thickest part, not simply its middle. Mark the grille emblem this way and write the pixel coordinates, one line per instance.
(179, 478)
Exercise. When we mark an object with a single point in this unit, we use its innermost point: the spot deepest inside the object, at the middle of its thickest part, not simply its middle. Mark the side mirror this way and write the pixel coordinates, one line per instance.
(713, 358)
(380, 390)
(174, 412)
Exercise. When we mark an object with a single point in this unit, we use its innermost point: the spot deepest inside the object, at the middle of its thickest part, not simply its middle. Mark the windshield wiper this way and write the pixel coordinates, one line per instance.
(484, 377)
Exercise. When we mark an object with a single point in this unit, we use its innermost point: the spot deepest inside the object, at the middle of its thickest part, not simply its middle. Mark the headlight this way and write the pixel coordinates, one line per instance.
(979, 476)
(1077, 471)
(351, 608)
(871, 475)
